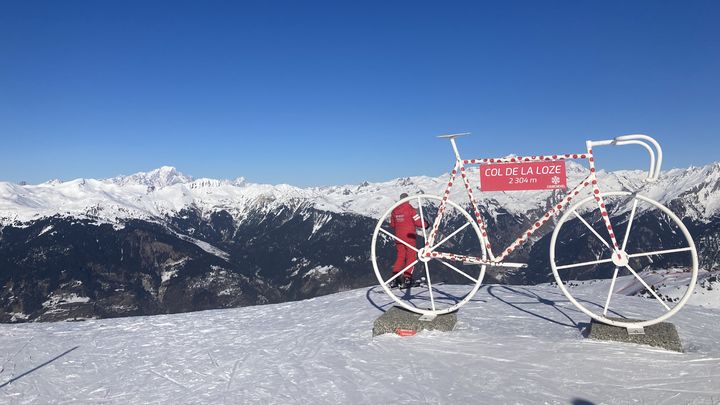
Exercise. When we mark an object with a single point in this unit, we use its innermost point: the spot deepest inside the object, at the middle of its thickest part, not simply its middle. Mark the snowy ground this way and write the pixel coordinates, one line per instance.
(512, 344)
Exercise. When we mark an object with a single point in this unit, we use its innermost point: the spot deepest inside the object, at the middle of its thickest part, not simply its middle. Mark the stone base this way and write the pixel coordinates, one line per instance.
(663, 335)
(401, 321)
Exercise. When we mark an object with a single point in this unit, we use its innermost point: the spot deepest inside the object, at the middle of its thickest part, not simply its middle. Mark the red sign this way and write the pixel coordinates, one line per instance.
(405, 332)
(523, 176)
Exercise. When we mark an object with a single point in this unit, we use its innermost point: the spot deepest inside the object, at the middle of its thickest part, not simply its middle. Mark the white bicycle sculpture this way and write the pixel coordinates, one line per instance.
(587, 229)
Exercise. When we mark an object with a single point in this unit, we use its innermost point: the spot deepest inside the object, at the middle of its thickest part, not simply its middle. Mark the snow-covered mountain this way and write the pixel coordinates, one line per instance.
(158, 178)
(511, 345)
(161, 241)
(165, 191)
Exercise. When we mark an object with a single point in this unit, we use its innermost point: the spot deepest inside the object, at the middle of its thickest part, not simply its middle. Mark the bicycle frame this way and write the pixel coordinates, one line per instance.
(589, 181)
(497, 177)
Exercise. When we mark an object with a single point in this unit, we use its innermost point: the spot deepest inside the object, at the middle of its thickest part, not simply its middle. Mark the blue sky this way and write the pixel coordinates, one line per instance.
(318, 93)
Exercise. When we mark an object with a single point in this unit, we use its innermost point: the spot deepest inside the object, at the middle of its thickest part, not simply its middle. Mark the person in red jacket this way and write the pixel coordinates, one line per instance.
(404, 219)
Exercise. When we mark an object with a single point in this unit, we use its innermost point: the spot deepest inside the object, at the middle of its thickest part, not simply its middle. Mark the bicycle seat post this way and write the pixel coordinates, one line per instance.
(452, 137)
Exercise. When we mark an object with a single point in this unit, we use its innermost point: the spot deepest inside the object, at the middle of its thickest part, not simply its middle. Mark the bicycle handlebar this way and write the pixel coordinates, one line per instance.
(642, 140)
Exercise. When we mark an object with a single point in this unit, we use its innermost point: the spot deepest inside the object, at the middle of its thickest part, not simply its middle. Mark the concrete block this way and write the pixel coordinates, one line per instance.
(663, 334)
(397, 318)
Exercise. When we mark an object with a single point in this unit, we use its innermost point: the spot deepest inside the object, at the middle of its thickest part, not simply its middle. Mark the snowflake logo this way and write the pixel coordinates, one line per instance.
(555, 180)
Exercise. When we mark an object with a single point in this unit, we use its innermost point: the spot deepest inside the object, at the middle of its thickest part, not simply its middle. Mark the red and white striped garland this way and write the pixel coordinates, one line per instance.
(522, 159)
(590, 180)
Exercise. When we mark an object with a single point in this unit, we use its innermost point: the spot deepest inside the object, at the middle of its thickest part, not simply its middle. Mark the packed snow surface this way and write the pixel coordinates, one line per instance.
(512, 344)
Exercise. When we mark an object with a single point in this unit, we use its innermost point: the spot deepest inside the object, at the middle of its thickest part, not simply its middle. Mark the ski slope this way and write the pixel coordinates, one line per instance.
(512, 344)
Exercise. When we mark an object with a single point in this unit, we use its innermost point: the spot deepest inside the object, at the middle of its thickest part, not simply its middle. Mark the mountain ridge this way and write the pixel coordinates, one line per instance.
(165, 242)
(166, 191)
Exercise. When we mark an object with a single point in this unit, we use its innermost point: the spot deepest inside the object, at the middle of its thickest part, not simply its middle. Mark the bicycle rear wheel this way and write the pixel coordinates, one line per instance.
(449, 283)
(655, 258)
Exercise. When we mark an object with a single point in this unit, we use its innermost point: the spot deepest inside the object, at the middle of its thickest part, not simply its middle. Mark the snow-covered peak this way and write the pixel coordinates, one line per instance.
(166, 191)
(239, 182)
(53, 182)
(158, 178)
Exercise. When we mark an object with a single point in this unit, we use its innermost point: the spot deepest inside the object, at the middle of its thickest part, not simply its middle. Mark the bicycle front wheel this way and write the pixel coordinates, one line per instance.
(655, 258)
(448, 282)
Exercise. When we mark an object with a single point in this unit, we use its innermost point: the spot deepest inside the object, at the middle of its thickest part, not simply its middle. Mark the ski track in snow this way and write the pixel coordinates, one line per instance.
(508, 347)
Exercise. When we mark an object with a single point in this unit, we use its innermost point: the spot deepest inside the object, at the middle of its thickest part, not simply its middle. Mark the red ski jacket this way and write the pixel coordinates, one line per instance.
(404, 219)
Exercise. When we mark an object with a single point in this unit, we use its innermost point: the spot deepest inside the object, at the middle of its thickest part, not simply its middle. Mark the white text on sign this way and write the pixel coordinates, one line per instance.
(523, 176)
